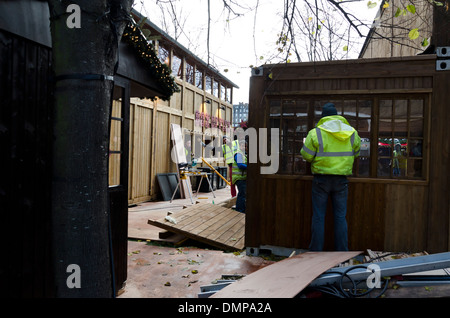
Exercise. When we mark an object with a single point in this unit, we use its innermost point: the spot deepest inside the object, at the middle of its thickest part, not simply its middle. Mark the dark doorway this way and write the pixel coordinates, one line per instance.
(118, 179)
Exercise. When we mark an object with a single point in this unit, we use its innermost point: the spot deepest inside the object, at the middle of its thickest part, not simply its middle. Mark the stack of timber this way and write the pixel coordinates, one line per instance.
(212, 224)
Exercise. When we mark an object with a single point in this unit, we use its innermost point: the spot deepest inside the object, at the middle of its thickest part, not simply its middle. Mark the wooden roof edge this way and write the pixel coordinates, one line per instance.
(424, 57)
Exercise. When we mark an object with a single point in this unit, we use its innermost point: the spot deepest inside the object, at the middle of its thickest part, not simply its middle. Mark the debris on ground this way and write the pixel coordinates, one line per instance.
(372, 275)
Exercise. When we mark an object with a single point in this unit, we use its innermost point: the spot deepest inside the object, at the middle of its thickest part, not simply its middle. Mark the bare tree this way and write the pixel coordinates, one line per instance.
(329, 29)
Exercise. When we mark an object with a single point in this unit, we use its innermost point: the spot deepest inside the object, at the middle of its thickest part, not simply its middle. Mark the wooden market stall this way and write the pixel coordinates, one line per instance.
(389, 101)
(202, 108)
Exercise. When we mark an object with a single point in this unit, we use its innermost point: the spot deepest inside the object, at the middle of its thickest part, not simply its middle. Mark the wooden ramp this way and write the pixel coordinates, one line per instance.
(215, 225)
(286, 278)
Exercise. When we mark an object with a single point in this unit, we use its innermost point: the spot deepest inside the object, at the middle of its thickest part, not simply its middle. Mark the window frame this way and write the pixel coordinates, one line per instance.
(373, 156)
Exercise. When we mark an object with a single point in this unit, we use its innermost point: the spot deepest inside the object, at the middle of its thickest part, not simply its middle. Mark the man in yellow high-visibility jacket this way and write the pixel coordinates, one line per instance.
(229, 150)
(331, 148)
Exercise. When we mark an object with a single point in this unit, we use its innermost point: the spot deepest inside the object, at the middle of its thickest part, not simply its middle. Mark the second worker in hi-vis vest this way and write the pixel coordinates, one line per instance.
(229, 149)
(331, 148)
(239, 175)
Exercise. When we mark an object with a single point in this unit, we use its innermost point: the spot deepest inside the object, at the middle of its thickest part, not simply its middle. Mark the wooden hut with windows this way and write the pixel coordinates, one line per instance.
(389, 101)
(398, 198)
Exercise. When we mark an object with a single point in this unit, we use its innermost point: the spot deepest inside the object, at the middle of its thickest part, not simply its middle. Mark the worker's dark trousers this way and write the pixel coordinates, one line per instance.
(337, 188)
(241, 196)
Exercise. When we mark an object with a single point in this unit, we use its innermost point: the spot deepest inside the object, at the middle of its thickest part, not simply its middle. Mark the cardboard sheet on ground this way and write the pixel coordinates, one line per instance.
(286, 278)
(215, 225)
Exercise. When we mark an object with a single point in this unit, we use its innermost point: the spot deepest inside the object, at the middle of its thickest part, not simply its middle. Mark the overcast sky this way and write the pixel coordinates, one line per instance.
(235, 44)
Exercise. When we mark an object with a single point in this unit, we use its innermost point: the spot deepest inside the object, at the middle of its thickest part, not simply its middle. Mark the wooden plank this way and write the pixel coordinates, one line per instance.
(208, 223)
(229, 234)
(215, 223)
(286, 278)
(226, 227)
(202, 219)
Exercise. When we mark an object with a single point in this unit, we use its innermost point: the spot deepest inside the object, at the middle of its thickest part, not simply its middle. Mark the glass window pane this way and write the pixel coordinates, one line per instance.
(199, 79)
(399, 160)
(216, 89)
(115, 143)
(297, 146)
(401, 109)
(275, 110)
(302, 126)
(189, 73)
(364, 127)
(384, 167)
(364, 117)
(299, 165)
(349, 109)
(223, 93)
(318, 110)
(289, 127)
(274, 123)
(163, 55)
(286, 164)
(415, 148)
(385, 108)
(416, 108)
(385, 127)
(400, 127)
(177, 69)
(363, 166)
(365, 147)
(416, 127)
(415, 168)
(208, 84)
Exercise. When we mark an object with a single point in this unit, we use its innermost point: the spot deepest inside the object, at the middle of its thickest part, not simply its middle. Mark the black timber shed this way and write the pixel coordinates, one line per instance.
(26, 137)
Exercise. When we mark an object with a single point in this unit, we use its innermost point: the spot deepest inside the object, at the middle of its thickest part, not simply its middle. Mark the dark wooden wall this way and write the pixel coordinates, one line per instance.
(26, 110)
(25, 132)
(383, 214)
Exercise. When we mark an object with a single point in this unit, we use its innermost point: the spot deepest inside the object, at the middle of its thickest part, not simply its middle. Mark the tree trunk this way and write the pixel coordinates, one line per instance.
(80, 204)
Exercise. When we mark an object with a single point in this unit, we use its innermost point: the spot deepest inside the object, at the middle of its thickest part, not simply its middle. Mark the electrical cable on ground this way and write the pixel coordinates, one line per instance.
(341, 292)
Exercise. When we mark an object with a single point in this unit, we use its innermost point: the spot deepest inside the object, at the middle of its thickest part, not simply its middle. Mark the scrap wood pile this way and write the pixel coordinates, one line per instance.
(365, 275)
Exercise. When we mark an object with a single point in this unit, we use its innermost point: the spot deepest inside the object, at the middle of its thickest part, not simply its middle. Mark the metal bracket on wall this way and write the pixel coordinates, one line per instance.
(443, 51)
(257, 71)
(442, 65)
(442, 62)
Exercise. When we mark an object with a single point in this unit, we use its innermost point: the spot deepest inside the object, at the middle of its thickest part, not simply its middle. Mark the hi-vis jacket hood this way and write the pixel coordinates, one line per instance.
(337, 126)
(332, 146)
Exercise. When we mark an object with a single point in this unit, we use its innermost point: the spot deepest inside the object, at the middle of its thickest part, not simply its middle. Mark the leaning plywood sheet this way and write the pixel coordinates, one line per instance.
(208, 223)
(286, 278)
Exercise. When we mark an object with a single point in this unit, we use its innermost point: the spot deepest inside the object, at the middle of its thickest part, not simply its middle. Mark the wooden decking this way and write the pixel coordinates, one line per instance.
(215, 225)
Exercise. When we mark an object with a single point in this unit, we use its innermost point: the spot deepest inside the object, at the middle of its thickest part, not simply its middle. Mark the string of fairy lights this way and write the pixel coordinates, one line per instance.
(160, 72)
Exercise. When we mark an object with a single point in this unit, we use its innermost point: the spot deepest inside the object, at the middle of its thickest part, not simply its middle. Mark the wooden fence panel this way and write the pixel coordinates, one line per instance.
(140, 152)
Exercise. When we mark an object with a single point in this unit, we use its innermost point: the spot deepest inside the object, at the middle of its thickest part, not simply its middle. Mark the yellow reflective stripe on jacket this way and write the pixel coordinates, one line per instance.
(236, 173)
(322, 153)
